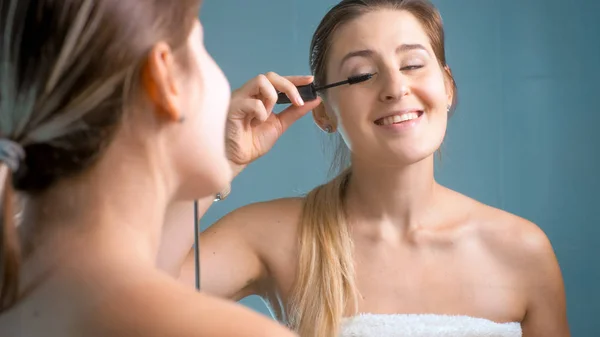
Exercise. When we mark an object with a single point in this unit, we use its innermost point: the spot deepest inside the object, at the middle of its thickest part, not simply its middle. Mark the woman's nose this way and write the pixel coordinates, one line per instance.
(394, 85)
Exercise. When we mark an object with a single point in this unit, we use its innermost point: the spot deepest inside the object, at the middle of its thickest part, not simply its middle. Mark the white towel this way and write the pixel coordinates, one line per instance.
(425, 325)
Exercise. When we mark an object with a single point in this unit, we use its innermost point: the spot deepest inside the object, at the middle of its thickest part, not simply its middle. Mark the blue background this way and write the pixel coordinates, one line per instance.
(524, 137)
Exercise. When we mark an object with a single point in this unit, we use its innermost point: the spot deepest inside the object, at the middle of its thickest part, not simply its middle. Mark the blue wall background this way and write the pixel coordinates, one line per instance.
(524, 137)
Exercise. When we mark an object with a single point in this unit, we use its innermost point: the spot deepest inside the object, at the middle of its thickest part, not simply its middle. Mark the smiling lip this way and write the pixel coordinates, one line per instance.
(400, 119)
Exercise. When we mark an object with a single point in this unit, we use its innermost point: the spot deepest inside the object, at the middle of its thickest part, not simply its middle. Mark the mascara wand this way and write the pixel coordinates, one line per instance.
(309, 92)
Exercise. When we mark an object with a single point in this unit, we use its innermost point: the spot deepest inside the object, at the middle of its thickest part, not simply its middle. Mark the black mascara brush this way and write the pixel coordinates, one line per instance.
(309, 92)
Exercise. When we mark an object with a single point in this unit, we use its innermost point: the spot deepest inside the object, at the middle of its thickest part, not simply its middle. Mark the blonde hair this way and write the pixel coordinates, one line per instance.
(325, 282)
(325, 286)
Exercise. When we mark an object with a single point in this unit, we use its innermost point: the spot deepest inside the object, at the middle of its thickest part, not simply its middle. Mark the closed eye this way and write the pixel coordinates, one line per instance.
(411, 67)
(355, 78)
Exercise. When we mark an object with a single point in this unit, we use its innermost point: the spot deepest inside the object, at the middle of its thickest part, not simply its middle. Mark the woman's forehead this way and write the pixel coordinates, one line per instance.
(380, 31)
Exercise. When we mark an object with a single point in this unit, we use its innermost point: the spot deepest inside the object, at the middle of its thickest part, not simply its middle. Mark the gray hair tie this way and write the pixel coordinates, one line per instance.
(11, 153)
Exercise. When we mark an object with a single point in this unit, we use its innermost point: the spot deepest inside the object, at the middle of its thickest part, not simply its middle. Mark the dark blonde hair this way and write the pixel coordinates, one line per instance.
(67, 69)
(325, 281)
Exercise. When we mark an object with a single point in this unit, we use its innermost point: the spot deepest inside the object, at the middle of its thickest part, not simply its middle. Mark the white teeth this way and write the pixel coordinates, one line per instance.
(398, 119)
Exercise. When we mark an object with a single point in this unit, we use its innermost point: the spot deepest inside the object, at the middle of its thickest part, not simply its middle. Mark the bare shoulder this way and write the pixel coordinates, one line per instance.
(261, 221)
(523, 250)
(156, 305)
(521, 242)
(265, 213)
(514, 241)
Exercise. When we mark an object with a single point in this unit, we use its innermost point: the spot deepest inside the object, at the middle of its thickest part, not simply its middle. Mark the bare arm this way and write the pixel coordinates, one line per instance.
(230, 267)
(230, 263)
(214, 318)
(161, 307)
(247, 251)
(546, 314)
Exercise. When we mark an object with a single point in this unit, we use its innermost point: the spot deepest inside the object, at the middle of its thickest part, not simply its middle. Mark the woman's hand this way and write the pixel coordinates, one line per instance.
(252, 127)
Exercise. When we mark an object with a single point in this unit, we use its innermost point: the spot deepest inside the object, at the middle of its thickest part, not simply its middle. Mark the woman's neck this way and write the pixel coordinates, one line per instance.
(401, 196)
(111, 212)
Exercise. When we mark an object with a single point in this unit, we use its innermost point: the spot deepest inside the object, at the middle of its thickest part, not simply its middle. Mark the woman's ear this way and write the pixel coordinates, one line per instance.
(322, 119)
(450, 85)
(159, 82)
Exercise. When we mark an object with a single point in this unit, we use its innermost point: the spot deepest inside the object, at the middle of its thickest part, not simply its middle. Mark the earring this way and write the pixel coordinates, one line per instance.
(448, 107)
(328, 129)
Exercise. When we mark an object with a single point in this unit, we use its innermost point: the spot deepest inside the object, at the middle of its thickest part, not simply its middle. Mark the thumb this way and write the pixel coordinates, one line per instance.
(291, 114)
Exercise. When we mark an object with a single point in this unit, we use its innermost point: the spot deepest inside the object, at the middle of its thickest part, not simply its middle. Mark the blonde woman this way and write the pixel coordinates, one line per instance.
(382, 249)
(110, 111)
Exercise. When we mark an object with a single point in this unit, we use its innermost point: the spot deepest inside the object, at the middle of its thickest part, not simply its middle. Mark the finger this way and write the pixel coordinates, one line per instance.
(285, 85)
(259, 85)
(300, 80)
(293, 113)
(266, 92)
(252, 87)
(260, 112)
(266, 87)
(251, 109)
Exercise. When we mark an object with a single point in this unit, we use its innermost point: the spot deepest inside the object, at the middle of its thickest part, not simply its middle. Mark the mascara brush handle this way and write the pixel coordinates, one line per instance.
(307, 92)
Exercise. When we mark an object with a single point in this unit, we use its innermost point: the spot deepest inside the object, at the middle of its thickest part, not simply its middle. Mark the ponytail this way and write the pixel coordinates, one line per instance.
(10, 252)
(325, 282)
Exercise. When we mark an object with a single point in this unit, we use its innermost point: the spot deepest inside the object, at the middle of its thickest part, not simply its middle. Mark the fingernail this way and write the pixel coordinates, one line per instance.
(299, 101)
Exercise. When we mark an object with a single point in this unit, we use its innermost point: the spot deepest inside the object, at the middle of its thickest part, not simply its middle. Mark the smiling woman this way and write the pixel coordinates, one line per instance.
(383, 244)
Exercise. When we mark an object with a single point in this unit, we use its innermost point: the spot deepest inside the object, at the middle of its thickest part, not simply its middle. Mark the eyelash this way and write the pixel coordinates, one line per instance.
(361, 74)
(411, 67)
(407, 68)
